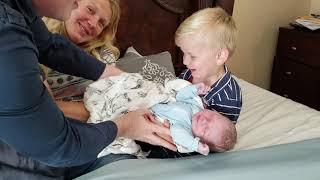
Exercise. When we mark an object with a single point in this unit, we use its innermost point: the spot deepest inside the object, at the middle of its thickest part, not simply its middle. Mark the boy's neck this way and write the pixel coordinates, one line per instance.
(220, 73)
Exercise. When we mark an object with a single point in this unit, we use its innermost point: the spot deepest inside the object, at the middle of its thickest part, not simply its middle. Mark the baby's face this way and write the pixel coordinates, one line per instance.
(206, 126)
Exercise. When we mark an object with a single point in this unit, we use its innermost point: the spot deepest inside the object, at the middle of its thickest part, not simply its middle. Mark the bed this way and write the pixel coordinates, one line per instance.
(277, 137)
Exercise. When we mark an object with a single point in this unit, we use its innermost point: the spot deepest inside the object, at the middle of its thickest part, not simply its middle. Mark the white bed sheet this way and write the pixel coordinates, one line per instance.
(268, 119)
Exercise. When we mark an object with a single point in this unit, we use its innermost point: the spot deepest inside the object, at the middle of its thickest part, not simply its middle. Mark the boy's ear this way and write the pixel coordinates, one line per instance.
(222, 56)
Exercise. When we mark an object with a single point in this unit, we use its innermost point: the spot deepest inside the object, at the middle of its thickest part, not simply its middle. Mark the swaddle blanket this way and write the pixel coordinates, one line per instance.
(109, 98)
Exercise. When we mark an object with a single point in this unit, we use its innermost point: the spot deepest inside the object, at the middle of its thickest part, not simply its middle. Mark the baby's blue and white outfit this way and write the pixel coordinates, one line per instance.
(107, 99)
(179, 114)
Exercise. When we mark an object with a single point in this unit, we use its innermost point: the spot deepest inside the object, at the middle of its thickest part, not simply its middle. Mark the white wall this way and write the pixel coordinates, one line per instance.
(258, 22)
(315, 6)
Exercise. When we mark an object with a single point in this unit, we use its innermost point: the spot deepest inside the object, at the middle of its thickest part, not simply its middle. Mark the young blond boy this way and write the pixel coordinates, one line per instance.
(207, 39)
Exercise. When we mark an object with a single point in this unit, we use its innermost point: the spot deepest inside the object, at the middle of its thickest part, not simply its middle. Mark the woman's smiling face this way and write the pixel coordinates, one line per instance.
(88, 20)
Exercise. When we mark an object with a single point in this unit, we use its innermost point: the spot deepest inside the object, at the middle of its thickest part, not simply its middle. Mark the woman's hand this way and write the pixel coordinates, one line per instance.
(110, 70)
(139, 125)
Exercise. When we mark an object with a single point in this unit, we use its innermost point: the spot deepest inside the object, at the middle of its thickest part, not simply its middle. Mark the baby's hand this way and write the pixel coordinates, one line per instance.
(203, 149)
(202, 88)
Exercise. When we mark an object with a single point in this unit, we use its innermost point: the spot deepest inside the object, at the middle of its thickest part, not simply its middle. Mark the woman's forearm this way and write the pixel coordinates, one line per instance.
(75, 110)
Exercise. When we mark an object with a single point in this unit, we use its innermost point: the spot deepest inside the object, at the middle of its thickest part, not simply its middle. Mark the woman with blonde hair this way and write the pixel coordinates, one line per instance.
(92, 26)
(103, 42)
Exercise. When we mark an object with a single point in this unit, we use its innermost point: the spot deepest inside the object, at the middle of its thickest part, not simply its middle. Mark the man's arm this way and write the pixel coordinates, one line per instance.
(30, 121)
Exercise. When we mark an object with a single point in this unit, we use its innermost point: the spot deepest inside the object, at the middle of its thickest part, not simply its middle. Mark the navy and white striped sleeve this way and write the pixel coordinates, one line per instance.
(227, 101)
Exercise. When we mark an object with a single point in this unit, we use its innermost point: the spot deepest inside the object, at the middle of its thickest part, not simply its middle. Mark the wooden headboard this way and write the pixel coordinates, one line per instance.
(149, 25)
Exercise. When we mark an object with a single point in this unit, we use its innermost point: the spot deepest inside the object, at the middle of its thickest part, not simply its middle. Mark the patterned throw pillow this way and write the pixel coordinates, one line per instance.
(66, 87)
(156, 67)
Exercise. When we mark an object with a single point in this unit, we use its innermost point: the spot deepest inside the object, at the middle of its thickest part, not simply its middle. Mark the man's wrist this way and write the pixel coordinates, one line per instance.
(121, 127)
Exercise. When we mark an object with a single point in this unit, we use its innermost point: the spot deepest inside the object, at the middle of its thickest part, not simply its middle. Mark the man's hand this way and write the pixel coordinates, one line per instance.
(165, 124)
(110, 70)
(139, 125)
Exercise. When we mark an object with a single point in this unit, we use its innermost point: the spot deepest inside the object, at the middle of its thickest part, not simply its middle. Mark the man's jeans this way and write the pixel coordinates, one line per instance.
(16, 166)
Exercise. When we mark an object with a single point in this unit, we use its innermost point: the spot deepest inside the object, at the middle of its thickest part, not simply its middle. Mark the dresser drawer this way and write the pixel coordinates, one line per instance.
(297, 82)
(299, 46)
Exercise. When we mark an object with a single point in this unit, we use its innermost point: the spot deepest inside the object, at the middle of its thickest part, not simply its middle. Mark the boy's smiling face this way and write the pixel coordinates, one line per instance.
(200, 58)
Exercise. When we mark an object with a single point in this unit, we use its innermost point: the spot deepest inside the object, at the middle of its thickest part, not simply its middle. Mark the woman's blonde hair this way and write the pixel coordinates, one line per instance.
(216, 25)
(104, 40)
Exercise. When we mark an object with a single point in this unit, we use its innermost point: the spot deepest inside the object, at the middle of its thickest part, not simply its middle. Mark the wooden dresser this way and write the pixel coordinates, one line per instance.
(296, 67)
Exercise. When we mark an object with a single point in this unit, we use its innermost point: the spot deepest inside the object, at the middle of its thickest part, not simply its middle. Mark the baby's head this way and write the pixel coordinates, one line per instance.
(215, 130)
(207, 39)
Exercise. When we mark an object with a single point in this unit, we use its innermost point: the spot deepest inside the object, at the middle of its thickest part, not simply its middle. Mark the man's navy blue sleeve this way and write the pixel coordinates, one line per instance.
(30, 121)
(62, 55)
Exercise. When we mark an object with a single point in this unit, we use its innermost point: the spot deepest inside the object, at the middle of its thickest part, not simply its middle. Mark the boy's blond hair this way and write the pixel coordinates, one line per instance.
(105, 39)
(214, 25)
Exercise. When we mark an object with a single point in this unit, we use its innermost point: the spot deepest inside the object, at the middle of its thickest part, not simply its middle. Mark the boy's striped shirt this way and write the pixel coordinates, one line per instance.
(224, 96)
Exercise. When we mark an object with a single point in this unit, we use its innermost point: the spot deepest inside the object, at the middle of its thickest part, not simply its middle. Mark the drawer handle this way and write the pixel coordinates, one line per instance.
(285, 95)
(293, 48)
(288, 73)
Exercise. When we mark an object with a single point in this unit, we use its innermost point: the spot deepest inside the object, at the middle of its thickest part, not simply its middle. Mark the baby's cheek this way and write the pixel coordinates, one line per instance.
(194, 129)
(197, 131)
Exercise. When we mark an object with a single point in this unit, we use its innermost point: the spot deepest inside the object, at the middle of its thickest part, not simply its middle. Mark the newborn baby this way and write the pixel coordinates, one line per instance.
(194, 128)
